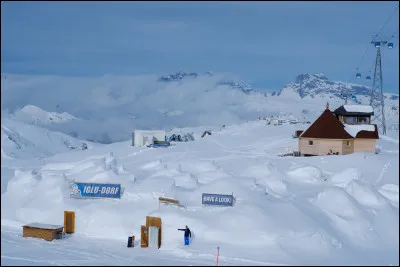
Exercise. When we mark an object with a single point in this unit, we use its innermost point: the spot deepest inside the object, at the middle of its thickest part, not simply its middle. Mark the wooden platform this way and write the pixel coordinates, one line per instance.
(47, 232)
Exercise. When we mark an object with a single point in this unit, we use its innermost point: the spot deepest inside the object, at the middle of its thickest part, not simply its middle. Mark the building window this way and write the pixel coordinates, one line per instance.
(347, 143)
(362, 120)
(350, 120)
(310, 143)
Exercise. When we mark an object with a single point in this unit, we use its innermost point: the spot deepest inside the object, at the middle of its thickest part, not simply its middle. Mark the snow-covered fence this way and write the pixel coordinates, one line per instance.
(290, 152)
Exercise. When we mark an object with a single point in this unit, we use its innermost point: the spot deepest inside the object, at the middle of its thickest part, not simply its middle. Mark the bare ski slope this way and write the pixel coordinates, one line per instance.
(289, 211)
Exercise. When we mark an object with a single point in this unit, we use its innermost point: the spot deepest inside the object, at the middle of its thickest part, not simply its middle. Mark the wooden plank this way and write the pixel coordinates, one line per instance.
(168, 200)
(144, 237)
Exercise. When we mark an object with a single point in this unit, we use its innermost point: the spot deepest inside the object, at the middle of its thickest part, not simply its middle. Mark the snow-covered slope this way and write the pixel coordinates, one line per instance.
(298, 211)
(23, 141)
(107, 109)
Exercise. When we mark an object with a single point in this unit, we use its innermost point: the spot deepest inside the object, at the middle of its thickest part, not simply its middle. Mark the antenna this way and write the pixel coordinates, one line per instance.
(376, 100)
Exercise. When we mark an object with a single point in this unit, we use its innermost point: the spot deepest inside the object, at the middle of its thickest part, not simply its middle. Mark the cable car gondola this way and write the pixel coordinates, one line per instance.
(368, 78)
(358, 75)
(377, 44)
(390, 45)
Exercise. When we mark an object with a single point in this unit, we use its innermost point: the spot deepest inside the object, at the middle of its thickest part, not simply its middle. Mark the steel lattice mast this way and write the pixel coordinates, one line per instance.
(377, 100)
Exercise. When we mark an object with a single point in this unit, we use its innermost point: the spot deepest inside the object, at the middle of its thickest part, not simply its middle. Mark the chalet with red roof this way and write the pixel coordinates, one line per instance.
(344, 131)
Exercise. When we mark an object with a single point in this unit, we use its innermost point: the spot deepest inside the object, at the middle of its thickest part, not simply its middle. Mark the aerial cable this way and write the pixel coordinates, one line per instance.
(395, 37)
(366, 50)
(384, 25)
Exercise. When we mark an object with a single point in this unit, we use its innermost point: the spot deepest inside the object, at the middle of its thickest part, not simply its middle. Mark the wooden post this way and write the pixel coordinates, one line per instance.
(69, 222)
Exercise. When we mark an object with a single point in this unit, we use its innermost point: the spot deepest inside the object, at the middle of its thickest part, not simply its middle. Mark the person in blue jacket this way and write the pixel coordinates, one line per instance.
(187, 235)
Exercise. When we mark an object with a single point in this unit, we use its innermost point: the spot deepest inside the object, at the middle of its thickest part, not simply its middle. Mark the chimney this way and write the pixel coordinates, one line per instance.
(327, 105)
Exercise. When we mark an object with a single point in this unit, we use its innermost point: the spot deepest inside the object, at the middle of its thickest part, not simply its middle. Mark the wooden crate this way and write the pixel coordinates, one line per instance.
(69, 222)
(47, 232)
(155, 221)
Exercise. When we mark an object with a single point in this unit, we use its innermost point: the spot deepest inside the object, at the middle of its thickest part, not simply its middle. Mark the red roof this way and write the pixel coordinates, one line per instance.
(327, 126)
(368, 134)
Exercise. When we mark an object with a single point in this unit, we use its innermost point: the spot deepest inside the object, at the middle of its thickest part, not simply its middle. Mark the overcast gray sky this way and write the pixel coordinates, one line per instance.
(266, 43)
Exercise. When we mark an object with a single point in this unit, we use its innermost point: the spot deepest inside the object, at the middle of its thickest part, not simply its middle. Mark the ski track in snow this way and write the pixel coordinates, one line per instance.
(384, 169)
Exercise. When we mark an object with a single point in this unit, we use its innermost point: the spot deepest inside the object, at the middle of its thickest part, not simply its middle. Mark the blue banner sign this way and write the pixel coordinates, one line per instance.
(92, 190)
(219, 200)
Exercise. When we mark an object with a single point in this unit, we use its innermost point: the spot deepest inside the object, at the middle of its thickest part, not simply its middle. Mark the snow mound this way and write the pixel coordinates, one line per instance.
(187, 181)
(365, 194)
(198, 167)
(336, 201)
(207, 177)
(258, 171)
(307, 174)
(346, 216)
(111, 164)
(386, 224)
(29, 190)
(155, 165)
(274, 186)
(344, 177)
(391, 192)
(168, 172)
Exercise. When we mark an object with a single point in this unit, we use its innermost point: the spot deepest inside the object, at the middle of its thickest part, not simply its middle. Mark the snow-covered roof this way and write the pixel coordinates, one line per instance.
(44, 226)
(354, 129)
(358, 108)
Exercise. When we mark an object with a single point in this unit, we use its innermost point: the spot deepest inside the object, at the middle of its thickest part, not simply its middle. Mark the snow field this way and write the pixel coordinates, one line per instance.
(319, 210)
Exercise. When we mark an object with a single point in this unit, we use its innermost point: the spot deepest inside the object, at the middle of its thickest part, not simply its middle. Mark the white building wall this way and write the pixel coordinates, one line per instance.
(153, 135)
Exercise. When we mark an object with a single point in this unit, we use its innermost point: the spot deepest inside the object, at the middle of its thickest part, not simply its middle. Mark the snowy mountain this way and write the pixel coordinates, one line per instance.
(109, 108)
(237, 85)
(35, 115)
(312, 85)
(177, 76)
(317, 88)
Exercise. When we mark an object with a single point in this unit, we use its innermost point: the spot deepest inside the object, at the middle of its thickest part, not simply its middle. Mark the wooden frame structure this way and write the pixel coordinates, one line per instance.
(144, 231)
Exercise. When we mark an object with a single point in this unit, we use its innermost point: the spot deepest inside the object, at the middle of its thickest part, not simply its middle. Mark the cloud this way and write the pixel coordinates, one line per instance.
(107, 105)
(79, 38)
(109, 108)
